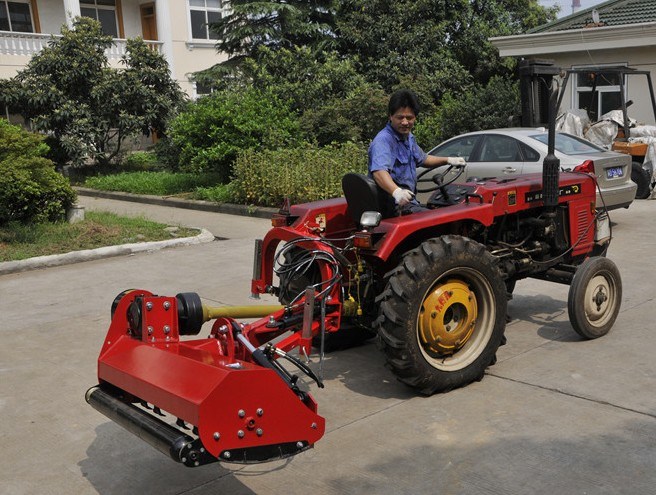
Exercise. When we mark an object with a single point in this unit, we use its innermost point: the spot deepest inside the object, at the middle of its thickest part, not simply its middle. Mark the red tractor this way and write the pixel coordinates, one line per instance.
(432, 286)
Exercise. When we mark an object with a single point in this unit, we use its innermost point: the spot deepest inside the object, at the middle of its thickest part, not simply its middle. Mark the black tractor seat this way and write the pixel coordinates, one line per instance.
(363, 194)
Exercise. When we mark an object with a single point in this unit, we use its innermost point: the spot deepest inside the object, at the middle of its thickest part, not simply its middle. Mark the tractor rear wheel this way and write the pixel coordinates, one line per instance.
(442, 314)
(594, 297)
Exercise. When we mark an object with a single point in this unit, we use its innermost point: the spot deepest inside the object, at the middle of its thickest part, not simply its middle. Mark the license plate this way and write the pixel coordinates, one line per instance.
(613, 172)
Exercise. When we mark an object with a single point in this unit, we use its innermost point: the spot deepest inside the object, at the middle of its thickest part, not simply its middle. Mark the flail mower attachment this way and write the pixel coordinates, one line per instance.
(228, 395)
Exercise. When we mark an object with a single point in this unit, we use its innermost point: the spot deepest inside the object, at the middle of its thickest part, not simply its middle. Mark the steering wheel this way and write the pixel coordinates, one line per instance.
(438, 179)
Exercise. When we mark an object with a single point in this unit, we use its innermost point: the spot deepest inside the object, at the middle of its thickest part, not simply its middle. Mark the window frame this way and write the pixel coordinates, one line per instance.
(31, 7)
(220, 10)
(116, 8)
(577, 89)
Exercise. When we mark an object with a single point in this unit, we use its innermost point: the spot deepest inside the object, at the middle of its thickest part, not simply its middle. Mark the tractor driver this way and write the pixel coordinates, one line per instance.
(394, 155)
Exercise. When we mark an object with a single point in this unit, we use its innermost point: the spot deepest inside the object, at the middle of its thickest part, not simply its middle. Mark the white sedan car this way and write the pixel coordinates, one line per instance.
(511, 152)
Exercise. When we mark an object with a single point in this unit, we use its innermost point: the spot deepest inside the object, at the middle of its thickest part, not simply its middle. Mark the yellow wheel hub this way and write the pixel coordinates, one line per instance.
(447, 317)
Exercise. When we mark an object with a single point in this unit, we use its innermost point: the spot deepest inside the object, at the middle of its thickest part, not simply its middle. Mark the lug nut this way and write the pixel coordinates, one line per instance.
(260, 411)
(259, 432)
(240, 433)
(167, 329)
(241, 413)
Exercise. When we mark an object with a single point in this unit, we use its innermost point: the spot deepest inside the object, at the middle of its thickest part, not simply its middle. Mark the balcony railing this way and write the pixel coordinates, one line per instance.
(28, 44)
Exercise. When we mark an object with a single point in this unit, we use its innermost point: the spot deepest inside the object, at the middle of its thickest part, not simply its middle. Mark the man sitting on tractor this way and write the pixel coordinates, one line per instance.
(394, 154)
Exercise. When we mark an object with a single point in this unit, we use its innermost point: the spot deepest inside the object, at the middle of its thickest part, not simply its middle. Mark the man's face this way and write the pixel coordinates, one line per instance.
(403, 120)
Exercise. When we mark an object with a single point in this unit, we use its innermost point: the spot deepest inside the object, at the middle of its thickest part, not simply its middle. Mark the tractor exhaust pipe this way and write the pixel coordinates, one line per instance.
(551, 163)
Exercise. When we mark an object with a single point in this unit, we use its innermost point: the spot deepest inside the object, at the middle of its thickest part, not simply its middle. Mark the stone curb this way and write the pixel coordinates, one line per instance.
(8, 267)
(190, 204)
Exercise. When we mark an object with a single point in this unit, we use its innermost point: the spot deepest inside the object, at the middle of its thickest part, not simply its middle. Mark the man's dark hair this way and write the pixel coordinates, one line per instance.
(403, 98)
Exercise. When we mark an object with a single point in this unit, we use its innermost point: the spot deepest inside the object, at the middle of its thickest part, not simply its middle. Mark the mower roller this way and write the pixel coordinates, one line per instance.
(431, 286)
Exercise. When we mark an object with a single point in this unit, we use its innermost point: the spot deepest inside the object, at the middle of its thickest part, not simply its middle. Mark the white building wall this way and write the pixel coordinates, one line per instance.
(185, 55)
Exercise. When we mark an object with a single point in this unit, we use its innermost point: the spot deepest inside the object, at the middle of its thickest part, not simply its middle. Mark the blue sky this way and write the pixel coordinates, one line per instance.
(566, 5)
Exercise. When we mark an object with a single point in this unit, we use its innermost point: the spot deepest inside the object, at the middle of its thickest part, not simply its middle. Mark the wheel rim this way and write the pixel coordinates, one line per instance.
(456, 319)
(600, 300)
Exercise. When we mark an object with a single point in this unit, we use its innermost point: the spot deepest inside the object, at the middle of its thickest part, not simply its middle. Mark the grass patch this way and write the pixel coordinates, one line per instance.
(18, 241)
(154, 183)
(221, 193)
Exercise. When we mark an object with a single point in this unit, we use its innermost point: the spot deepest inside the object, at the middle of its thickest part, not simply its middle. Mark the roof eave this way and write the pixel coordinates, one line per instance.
(576, 40)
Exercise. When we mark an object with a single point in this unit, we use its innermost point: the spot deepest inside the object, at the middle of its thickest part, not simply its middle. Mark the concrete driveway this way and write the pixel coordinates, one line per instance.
(555, 415)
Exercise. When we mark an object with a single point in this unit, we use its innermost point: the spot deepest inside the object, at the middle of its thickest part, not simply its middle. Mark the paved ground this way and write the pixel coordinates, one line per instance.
(555, 415)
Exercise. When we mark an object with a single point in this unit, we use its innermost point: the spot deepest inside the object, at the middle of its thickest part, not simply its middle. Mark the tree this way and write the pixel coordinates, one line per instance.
(275, 24)
(87, 108)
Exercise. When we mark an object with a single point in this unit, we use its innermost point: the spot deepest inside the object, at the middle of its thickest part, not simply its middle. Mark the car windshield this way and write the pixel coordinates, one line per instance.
(570, 145)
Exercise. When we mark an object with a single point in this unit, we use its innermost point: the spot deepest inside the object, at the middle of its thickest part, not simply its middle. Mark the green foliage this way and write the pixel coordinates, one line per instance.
(266, 178)
(87, 108)
(155, 183)
(221, 193)
(357, 117)
(212, 131)
(30, 188)
(481, 107)
(274, 23)
(141, 161)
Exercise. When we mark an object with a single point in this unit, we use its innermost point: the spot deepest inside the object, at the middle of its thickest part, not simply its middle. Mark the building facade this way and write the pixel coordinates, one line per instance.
(177, 28)
(614, 33)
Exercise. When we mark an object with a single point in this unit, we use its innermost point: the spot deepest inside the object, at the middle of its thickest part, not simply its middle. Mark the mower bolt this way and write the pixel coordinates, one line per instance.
(149, 306)
(196, 463)
(329, 298)
(241, 413)
(260, 411)
(167, 329)
(217, 435)
(314, 426)
(226, 455)
(259, 432)
(202, 450)
(150, 330)
(223, 329)
(167, 304)
(168, 338)
(240, 433)
(299, 445)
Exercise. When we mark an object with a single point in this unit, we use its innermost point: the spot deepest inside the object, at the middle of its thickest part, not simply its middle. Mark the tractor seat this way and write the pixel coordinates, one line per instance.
(363, 194)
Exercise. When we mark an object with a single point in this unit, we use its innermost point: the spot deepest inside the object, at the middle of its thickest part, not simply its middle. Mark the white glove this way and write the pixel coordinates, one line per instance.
(402, 196)
(455, 160)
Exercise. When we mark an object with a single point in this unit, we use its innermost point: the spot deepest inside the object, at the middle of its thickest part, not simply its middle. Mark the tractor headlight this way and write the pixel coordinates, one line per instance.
(370, 219)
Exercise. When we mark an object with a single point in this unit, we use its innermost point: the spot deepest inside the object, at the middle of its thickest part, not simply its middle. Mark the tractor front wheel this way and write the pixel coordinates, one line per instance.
(594, 297)
(442, 314)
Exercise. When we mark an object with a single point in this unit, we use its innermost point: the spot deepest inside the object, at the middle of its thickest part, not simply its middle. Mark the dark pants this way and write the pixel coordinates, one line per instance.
(412, 207)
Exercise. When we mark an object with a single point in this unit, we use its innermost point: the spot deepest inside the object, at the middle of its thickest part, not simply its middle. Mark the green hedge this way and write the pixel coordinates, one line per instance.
(30, 188)
(266, 178)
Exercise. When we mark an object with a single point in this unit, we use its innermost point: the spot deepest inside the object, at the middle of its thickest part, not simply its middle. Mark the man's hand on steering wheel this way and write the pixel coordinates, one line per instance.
(456, 163)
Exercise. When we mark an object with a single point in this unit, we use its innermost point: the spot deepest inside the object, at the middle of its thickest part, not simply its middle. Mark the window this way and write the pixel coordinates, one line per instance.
(530, 155)
(463, 147)
(500, 149)
(15, 16)
(104, 11)
(202, 13)
(570, 145)
(597, 93)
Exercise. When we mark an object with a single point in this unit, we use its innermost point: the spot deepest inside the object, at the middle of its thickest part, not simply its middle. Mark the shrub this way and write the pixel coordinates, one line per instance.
(141, 161)
(30, 188)
(212, 131)
(155, 183)
(266, 178)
